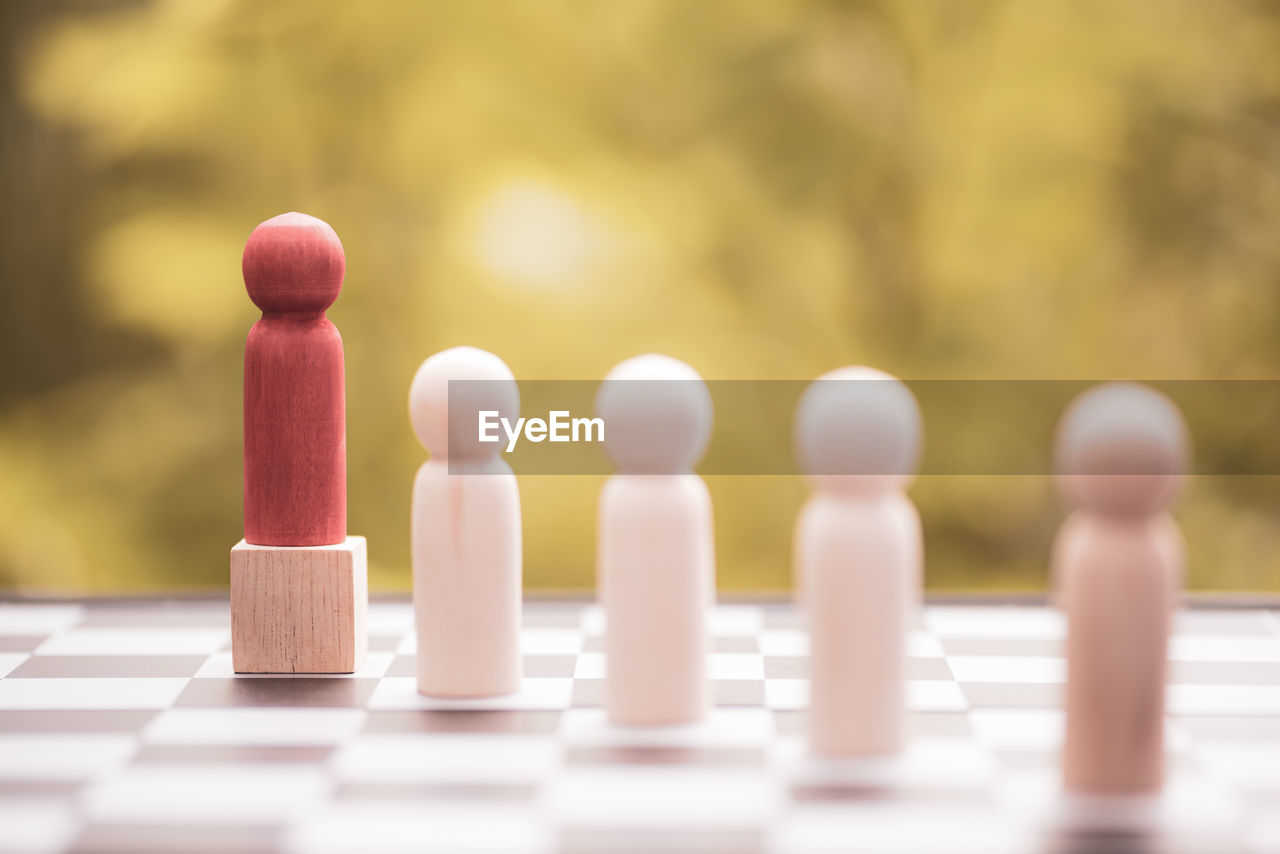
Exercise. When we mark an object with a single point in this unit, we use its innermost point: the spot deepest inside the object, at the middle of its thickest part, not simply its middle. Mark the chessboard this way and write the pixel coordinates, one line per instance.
(124, 729)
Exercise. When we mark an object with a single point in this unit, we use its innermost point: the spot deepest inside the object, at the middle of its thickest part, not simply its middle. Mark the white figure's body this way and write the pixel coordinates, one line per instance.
(858, 554)
(1118, 565)
(466, 531)
(656, 558)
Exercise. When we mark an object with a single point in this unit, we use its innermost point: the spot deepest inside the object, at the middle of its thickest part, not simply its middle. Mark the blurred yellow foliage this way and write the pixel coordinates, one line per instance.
(764, 189)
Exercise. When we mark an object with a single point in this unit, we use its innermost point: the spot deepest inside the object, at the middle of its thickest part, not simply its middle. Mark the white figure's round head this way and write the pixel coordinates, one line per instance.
(1122, 450)
(446, 420)
(857, 432)
(657, 415)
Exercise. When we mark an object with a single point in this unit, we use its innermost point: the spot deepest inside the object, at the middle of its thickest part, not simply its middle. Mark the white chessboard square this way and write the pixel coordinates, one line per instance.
(678, 798)
(590, 665)
(35, 825)
(547, 641)
(389, 618)
(1013, 670)
(1250, 766)
(1037, 730)
(408, 643)
(592, 620)
(18, 619)
(923, 645)
(795, 643)
(1224, 700)
(536, 693)
(786, 695)
(448, 759)
(784, 642)
(234, 793)
(456, 826)
(255, 727)
(89, 693)
(1224, 648)
(900, 827)
(935, 695)
(131, 641)
(1190, 810)
(736, 665)
(996, 621)
(63, 756)
(729, 621)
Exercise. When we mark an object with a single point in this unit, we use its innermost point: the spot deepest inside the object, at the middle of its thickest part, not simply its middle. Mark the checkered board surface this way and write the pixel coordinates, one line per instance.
(123, 728)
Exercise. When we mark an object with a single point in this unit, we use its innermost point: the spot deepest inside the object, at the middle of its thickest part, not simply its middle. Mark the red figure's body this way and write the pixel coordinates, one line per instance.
(295, 448)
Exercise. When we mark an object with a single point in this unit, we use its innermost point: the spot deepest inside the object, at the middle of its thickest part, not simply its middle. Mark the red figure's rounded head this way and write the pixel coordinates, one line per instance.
(293, 263)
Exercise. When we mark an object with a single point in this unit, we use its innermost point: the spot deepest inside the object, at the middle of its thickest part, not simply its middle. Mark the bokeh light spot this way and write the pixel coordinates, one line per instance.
(531, 233)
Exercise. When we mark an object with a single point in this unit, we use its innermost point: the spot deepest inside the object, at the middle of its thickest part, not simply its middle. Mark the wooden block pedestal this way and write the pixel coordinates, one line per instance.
(299, 610)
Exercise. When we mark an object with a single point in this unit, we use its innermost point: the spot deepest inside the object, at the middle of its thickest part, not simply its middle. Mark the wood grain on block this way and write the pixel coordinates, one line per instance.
(299, 610)
(295, 455)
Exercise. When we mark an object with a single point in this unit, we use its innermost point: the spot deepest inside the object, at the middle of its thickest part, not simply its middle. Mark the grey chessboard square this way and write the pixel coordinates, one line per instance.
(665, 755)
(737, 692)
(1224, 672)
(783, 618)
(1233, 727)
(195, 754)
(384, 643)
(26, 789)
(1031, 647)
(282, 691)
(169, 839)
(554, 615)
(919, 669)
(735, 644)
(75, 721)
(1013, 696)
(506, 721)
(789, 722)
(404, 665)
(786, 667)
(550, 665)
(156, 615)
(587, 693)
(938, 725)
(648, 840)
(21, 643)
(1223, 622)
(119, 666)
(594, 643)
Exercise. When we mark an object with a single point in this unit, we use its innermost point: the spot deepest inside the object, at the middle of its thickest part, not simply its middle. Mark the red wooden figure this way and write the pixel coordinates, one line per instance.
(295, 447)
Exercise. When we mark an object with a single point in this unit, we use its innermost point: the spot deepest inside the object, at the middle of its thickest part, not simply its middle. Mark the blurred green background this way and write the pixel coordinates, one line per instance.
(766, 189)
